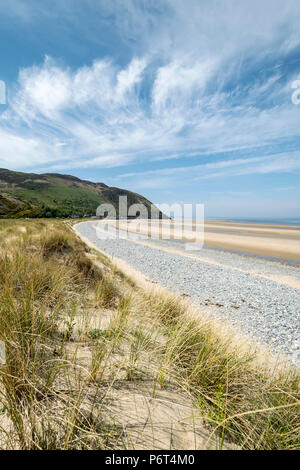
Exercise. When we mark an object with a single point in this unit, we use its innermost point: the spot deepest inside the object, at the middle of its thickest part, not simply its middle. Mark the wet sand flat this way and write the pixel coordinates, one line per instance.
(261, 239)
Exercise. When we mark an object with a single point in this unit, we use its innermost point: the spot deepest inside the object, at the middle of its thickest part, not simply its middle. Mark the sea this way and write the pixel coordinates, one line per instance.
(272, 221)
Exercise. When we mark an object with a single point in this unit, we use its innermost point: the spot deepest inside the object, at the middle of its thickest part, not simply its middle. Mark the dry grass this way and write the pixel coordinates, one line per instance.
(253, 407)
(94, 362)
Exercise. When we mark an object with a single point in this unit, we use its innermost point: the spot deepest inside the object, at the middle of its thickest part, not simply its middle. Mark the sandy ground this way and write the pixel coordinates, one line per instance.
(273, 240)
(167, 419)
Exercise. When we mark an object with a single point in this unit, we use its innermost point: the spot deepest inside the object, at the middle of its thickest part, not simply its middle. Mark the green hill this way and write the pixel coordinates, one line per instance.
(56, 195)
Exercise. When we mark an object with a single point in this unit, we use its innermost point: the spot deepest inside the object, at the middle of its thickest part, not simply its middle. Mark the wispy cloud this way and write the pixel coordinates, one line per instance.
(282, 162)
(211, 78)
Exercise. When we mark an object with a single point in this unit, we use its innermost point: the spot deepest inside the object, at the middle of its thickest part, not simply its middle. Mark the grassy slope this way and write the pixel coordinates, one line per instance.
(59, 194)
(94, 362)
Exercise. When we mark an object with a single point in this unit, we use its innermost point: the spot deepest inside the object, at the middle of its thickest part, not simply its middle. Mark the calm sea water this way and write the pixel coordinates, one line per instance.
(271, 221)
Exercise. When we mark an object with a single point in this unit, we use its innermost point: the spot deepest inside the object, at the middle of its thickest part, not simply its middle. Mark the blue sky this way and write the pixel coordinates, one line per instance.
(180, 100)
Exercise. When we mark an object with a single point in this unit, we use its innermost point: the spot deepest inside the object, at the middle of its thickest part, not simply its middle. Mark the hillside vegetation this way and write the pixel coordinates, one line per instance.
(94, 361)
(55, 195)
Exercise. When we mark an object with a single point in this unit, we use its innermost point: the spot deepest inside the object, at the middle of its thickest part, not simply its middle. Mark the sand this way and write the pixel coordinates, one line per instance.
(260, 239)
(244, 307)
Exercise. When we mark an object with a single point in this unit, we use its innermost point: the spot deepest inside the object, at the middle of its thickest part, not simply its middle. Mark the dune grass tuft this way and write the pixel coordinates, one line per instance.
(77, 330)
(253, 407)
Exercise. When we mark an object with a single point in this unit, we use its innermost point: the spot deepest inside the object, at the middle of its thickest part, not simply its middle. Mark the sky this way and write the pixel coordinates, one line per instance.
(183, 101)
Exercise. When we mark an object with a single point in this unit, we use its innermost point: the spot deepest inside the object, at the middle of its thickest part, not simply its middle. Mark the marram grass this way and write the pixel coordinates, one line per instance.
(78, 332)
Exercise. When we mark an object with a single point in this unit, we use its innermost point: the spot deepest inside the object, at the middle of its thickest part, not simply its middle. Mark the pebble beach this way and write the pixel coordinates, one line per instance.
(259, 295)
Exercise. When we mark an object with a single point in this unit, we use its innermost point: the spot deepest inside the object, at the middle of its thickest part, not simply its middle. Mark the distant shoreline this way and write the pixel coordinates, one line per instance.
(286, 222)
(276, 241)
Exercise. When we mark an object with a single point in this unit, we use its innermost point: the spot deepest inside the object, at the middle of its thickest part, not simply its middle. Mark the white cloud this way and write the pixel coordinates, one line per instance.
(45, 90)
(24, 151)
(128, 78)
(282, 162)
(176, 83)
(170, 101)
